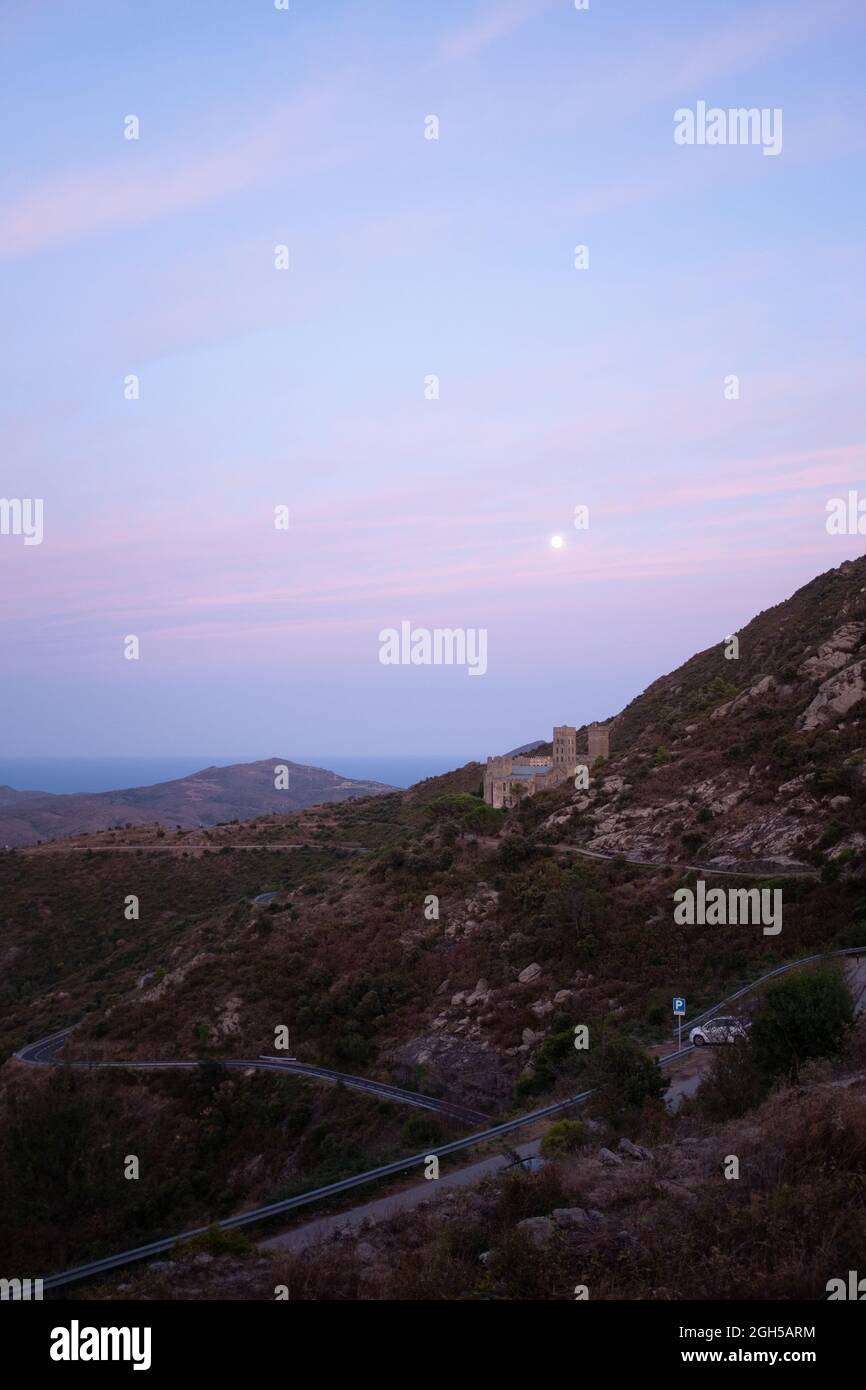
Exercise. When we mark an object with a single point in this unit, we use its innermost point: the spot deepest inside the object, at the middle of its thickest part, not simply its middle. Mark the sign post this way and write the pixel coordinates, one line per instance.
(679, 1010)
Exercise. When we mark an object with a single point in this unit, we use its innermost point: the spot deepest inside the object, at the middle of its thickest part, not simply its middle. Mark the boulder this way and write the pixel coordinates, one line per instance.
(531, 972)
(569, 1217)
(636, 1151)
(609, 1159)
(539, 1229)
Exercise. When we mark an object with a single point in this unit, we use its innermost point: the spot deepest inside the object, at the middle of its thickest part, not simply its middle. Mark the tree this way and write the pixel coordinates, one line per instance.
(802, 1015)
(627, 1079)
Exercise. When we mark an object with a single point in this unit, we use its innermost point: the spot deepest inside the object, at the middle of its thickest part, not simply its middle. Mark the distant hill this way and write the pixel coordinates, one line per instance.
(215, 794)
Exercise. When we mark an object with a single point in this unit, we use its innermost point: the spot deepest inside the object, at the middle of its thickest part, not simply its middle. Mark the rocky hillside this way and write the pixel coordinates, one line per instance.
(204, 798)
(458, 950)
(755, 760)
(424, 938)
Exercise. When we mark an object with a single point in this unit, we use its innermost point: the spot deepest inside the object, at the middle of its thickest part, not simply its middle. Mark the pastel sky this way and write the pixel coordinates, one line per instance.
(411, 257)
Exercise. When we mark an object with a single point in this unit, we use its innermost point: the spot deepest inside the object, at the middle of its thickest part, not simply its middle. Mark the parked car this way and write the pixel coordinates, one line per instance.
(719, 1030)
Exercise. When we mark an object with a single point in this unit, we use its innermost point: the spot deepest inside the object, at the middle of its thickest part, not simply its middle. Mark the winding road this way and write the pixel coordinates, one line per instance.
(44, 1053)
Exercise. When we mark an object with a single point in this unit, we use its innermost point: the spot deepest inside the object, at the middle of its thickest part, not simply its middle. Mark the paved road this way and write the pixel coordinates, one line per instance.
(312, 1232)
(46, 1051)
(761, 869)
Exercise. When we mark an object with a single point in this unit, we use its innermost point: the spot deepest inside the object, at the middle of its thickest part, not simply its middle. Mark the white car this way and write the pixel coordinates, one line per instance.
(719, 1030)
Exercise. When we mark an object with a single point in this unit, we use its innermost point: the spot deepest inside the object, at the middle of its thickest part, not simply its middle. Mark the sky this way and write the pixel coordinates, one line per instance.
(409, 257)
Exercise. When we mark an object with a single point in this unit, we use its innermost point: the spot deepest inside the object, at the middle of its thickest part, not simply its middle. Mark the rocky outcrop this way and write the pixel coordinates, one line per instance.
(833, 654)
(836, 696)
(759, 691)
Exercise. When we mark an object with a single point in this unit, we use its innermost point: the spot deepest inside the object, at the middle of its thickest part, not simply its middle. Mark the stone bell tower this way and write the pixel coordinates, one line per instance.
(564, 748)
(598, 742)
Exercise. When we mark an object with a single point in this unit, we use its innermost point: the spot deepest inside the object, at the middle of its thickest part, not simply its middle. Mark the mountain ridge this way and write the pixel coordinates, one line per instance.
(206, 797)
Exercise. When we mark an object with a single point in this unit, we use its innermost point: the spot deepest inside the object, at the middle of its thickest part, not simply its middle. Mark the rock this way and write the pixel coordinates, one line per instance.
(834, 653)
(365, 1252)
(562, 995)
(609, 1159)
(539, 1229)
(529, 1037)
(675, 1191)
(762, 688)
(836, 696)
(156, 1266)
(837, 802)
(531, 972)
(565, 1217)
(625, 1146)
(458, 999)
(203, 1259)
(542, 1007)
(485, 1257)
(480, 994)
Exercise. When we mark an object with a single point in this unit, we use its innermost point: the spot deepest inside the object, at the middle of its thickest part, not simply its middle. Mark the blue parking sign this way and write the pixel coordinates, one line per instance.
(679, 1005)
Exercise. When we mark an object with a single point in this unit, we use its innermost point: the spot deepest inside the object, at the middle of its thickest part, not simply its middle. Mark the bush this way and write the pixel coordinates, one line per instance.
(802, 1015)
(627, 1079)
(734, 1085)
(216, 1241)
(467, 812)
(421, 1129)
(564, 1137)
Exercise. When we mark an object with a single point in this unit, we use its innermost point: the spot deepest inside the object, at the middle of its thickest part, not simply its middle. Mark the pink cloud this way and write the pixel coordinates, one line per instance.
(491, 23)
(138, 189)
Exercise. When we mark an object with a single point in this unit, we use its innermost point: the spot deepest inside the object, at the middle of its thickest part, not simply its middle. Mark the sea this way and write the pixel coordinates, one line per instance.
(116, 774)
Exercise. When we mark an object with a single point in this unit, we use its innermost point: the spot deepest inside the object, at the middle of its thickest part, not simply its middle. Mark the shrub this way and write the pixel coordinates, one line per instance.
(627, 1079)
(802, 1015)
(564, 1137)
(421, 1129)
(734, 1085)
(216, 1241)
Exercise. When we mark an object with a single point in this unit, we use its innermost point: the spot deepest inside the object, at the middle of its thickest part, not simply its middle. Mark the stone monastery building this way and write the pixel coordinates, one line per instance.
(507, 779)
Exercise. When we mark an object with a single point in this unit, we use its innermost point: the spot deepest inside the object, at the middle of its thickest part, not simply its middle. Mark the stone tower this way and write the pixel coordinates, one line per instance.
(564, 748)
(598, 742)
